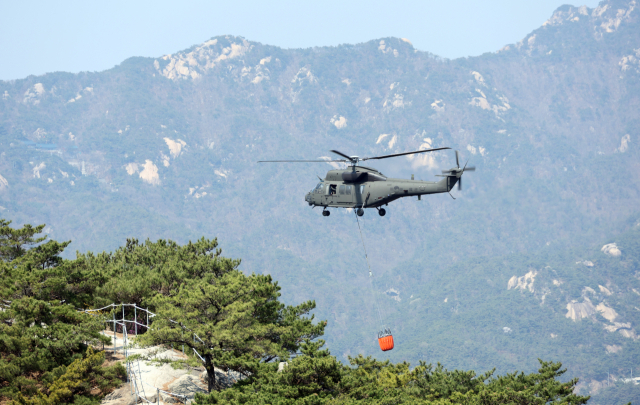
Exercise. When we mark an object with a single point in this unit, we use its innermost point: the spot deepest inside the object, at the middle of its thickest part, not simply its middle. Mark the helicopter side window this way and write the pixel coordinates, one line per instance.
(361, 189)
(348, 190)
(342, 187)
(332, 189)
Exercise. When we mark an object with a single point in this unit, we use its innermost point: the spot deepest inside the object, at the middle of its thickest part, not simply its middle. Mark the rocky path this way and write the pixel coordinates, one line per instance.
(154, 374)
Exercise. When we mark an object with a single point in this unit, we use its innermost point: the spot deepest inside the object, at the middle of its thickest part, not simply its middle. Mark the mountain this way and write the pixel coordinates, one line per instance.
(167, 148)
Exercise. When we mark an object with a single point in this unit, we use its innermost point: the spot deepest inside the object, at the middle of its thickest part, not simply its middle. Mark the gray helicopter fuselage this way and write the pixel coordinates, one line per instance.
(363, 187)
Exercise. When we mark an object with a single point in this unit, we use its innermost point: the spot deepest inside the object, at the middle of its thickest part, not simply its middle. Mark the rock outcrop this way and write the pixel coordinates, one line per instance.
(611, 249)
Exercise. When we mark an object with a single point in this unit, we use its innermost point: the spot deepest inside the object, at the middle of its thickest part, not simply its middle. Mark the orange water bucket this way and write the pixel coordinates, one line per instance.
(386, 343)
(385, 340)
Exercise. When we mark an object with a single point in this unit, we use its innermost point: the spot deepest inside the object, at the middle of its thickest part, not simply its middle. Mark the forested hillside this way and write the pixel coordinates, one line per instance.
(167, 147)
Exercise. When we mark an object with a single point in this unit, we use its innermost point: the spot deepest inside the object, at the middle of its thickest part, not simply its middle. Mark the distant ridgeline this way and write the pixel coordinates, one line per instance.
(167, 147)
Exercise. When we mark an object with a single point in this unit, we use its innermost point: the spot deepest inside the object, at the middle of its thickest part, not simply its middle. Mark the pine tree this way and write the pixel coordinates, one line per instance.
(311, 378)
(15, 242)
(233, 322)
(40, 326)
(138, 271)
(78, 379)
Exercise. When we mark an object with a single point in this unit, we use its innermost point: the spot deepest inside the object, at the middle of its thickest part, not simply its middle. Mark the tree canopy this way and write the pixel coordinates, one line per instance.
(41, 329)
(316, 377)
(15, 242)
(230, 320)
(136, 272)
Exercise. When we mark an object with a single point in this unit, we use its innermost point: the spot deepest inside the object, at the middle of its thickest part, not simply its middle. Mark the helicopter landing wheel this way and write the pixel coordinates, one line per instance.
(360, 212)
(382, 212)
(326, 213)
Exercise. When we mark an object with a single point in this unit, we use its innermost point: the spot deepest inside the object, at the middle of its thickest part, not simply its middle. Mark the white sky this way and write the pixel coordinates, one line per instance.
(38, 37)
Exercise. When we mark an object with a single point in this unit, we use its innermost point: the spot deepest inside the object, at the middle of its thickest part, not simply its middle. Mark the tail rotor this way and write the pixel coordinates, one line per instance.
(455, 174)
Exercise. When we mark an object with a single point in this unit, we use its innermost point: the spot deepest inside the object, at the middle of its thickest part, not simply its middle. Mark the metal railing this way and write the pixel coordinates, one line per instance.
(137, 385)
(123, 322)
(135, 389)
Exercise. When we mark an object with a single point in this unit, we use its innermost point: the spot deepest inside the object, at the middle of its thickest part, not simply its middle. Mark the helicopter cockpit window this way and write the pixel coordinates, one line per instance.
(342, 187)
(318, 187)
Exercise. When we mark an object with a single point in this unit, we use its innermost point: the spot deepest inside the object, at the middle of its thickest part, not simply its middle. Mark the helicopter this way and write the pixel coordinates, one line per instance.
(360, 187)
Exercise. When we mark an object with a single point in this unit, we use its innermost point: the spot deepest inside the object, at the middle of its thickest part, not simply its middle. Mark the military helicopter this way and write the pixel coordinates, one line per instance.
(360, 187)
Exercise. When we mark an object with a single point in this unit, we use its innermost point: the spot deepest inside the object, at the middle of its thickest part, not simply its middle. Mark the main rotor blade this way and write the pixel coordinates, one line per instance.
(405, 153)
(337, 152)
(303, 161)
(457, 160)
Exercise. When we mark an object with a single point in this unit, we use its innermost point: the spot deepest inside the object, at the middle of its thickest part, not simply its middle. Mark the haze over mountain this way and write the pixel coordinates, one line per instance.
(167, 148)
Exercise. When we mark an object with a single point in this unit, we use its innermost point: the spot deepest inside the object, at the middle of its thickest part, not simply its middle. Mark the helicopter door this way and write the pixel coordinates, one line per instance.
(330, 193)
(349, 194)
(345, 194)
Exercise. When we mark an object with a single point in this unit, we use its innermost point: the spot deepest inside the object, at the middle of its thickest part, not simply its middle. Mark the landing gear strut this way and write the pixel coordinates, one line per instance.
(360, 212)
(325, 213)
(382, 212)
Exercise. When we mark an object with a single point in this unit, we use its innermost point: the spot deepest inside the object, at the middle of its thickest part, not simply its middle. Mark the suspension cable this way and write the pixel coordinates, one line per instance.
(370, 273)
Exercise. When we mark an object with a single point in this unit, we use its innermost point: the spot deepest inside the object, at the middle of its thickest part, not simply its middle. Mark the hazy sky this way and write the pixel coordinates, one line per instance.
(38, 37)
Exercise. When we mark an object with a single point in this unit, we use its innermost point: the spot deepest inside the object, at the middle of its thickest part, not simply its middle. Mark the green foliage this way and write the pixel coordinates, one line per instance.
(311, 378)
(15, 242)
(195, 290)
(78, 380)
(234, 321)
(40, 326)
(237, 320)
(316, 377)
(138, 271)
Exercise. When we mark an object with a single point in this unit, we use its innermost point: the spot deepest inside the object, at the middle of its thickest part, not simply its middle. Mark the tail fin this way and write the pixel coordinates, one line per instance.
(447, 183)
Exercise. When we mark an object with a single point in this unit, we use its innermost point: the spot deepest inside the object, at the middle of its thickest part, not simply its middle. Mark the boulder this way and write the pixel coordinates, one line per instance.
(611, 249)
(121, 396)
(187, 385)
(170, 399)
